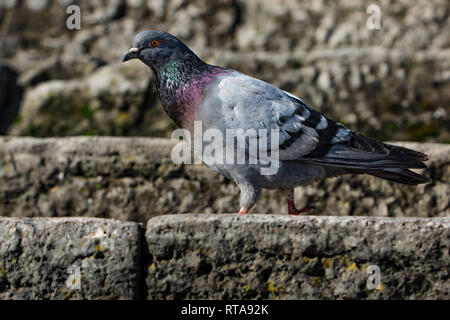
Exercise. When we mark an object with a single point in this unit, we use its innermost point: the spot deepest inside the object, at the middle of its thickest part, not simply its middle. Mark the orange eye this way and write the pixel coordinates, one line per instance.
(155, 43)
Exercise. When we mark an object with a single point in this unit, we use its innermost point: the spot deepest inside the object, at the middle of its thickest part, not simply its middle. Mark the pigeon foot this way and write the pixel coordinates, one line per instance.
(292, 210)
(245, 210)
(296, 212)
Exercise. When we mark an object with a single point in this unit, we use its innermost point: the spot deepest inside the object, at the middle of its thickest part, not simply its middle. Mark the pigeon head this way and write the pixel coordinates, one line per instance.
(156, 48)
(180, 75)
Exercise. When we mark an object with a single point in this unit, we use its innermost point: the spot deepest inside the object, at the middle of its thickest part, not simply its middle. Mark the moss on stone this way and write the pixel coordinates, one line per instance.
(275, 290)
(316, 281)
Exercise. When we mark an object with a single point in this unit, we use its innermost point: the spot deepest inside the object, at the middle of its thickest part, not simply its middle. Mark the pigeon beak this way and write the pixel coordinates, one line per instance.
(132, 54)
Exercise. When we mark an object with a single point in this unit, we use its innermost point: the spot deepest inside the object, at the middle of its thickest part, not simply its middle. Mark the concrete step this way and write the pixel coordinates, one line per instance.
(69, 258)
(225, 256)
(134, 179)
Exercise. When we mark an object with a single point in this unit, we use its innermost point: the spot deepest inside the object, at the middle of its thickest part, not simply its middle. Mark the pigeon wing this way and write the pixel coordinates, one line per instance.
(304, 133)
(248, 103)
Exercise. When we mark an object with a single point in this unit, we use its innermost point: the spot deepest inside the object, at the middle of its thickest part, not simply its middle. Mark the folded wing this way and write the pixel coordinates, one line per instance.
(306, 135)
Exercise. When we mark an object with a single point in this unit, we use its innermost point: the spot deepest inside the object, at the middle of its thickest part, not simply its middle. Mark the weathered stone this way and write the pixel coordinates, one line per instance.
(114, 100)
(69, 258)
(305, 257)
(135, 179)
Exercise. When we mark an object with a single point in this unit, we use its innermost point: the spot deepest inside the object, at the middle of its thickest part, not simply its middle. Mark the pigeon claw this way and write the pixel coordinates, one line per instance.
(292, 210)
(243, 211)
(296, 212)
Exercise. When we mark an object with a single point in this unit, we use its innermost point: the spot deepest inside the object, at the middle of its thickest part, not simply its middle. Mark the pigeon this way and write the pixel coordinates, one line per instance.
(310, 146)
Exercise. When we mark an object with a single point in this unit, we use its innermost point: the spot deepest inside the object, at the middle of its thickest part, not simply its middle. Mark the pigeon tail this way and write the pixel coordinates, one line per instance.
(365, 155)
(403, 176)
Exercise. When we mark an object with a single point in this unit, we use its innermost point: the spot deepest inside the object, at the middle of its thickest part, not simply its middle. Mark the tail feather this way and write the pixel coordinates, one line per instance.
(404, 176)
(365, 155)
(413, 153)
(368, 144)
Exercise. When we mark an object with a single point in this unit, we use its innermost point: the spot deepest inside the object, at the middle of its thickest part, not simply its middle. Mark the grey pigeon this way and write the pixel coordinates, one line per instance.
(311, 146)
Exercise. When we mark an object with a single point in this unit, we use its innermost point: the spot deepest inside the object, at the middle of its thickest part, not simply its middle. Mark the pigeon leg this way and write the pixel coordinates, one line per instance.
(248, 197)
(245, 210)
(291, 206)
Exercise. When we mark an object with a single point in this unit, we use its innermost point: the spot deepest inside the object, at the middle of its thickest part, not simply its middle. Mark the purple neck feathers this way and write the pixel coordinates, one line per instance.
(181, 93)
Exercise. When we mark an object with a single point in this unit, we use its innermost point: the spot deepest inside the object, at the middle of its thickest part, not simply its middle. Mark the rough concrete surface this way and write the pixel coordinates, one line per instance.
(134, 179)
(48, 258)
(305, 257)
(204, 256)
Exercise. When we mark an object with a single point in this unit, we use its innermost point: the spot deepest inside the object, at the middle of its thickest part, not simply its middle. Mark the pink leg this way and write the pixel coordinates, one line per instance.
(291, 206)
(245, 210)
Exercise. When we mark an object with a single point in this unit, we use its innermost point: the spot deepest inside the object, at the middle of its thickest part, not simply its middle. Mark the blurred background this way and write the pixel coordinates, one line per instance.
(391, 83)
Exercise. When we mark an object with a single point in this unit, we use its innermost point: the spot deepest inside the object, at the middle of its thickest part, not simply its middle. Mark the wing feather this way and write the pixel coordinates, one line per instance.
(259, 105)
(304, 133)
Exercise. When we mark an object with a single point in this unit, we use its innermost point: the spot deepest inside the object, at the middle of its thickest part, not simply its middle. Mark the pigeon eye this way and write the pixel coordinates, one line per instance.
(155, 43)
